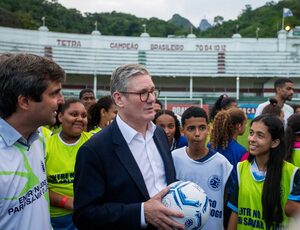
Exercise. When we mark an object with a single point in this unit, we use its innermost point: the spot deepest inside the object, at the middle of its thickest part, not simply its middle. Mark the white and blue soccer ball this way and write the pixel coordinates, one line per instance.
(191, 199)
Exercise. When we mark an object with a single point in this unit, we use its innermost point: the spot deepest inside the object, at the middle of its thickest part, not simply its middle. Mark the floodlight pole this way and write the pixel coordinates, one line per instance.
(95, 84)
(191, 86)
(238, 87)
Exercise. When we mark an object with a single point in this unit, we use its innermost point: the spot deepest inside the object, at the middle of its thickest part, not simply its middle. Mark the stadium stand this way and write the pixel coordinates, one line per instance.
(179, 66)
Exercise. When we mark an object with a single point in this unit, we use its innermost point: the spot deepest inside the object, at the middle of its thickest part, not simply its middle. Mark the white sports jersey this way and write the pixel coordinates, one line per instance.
(211, 174)
(287, 110)
(24, 198)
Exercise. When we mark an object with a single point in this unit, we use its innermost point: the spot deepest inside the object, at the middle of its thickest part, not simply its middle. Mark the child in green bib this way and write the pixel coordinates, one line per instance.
(265, 180)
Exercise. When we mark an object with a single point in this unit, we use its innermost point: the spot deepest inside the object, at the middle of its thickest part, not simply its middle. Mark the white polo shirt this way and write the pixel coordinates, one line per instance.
(24, 197)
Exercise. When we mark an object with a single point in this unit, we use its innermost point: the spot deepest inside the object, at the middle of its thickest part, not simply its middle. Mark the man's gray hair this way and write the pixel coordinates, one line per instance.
(121, 75)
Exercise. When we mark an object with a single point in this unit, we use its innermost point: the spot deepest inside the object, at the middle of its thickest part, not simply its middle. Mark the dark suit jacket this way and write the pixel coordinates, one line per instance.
(108, 186)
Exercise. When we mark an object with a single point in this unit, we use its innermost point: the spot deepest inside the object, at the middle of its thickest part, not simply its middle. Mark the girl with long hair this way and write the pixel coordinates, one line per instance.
(170, 124)
(265, 180)
(101, 114)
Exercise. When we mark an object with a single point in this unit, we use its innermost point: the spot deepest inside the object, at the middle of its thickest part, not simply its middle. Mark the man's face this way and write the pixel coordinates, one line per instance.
(88, 99)
(286, 92)
(44, 112)
(132, 110)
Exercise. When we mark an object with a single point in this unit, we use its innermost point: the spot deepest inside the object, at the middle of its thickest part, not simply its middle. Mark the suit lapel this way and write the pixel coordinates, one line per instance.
(164, 152)
(124, 154)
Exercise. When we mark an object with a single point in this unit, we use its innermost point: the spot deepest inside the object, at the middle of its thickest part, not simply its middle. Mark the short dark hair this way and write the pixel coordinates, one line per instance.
(295, 107)
(272, 108)
(87, 90)
(280, 82)
(193, 111)
(63, 107)
(158, 102)
(28, 75)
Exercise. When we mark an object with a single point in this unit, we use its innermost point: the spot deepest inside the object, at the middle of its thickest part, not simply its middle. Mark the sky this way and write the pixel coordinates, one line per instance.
(193, 10)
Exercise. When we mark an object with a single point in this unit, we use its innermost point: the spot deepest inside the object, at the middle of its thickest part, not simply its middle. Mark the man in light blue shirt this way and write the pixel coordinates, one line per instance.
(30, 91)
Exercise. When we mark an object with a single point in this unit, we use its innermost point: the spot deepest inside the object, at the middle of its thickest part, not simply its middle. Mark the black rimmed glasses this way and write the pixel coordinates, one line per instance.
(144, 95)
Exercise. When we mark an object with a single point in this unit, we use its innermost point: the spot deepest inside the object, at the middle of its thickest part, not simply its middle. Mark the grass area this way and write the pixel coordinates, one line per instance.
(243, 140)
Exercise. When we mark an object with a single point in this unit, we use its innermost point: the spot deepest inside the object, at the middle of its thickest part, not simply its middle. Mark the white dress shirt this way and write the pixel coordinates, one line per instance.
(147, 157)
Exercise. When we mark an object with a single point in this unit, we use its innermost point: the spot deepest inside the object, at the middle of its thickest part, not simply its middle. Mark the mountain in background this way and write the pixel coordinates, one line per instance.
(204, 25)
(27, 14)
(180, 21)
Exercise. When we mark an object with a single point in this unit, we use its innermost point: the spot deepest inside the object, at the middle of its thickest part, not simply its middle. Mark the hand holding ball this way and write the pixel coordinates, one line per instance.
(191, 199)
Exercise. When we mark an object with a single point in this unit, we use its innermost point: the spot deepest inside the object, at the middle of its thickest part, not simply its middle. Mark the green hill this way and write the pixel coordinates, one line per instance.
(27, 14)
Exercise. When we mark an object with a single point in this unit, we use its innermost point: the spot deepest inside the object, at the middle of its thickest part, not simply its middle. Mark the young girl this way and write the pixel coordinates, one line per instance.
(222, 103)
(292, 137)
(265, 180)
(101, 114)
(61, 152)
(227, 126)
(273, 108)
(169, 122)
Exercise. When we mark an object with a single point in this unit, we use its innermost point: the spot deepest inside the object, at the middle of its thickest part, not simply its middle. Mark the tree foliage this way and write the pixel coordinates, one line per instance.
(27, 14)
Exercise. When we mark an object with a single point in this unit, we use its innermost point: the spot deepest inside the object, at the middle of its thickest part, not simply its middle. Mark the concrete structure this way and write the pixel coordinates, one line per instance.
(187, 67)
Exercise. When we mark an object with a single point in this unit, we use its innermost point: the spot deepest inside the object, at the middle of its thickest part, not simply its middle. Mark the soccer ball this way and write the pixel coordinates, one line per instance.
(190, 199)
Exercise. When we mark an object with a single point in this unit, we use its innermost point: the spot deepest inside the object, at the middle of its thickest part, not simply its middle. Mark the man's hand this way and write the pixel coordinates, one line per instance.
(158, 215)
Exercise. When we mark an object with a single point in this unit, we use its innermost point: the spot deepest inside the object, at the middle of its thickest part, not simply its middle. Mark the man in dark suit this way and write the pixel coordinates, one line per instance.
(122, 172)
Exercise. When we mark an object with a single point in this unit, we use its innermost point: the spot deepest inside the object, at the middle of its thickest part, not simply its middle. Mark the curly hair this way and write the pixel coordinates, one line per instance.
(224, 126)
(222, 130)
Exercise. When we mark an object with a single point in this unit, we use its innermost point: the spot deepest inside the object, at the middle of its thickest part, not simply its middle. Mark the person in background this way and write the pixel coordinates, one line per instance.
(169, 122)
(222, 103)
(30, 92)
(265, 181)
(273, 108)
(122, 172)
(87, 97)
(157, 105)
(201, 165)
(101, 114)
(296, 108)
(284, 91)
(61, 152)
(227, 126)
(292, 137)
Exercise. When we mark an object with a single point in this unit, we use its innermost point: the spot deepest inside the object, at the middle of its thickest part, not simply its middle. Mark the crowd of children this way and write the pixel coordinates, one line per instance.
(246, 190)
(258, 188)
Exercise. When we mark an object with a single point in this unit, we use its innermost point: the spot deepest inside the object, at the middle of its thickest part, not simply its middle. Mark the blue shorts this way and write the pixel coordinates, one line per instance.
(63, 223)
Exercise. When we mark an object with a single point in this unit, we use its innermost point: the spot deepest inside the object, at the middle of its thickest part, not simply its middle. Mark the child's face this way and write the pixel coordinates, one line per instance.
(167, 122)
(196, 129)
(74, 119)
(259, 139)
(242, 127)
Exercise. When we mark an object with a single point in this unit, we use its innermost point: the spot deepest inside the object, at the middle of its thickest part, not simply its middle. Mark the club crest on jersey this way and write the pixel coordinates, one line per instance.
(214, 182)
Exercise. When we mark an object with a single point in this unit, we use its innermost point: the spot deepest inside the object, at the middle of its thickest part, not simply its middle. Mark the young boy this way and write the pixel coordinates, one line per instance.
(203, 166)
